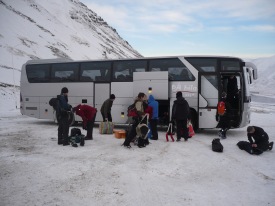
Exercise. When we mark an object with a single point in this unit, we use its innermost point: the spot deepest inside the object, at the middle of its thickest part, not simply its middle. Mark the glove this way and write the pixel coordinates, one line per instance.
(84, 127)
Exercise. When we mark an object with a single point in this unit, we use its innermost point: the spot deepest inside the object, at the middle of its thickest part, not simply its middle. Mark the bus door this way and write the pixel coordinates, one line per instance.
(101, 93)
(232, 84)
(207, 100)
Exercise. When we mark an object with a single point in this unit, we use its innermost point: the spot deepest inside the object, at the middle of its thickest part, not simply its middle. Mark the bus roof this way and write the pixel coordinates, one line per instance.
(61, 60)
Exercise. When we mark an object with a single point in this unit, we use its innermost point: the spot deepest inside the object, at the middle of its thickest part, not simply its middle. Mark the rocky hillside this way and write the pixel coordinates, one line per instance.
(34, 29)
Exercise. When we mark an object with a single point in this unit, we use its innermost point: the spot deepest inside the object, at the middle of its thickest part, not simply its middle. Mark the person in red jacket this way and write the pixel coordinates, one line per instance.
(88, 115)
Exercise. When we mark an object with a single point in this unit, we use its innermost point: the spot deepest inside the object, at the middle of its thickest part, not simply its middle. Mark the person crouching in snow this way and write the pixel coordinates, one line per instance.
(88, 115)
(260, 137)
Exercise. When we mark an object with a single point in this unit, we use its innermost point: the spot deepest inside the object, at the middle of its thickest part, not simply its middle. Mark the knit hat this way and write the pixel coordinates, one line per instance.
(179, 94)
(112, 96)
(64, 90)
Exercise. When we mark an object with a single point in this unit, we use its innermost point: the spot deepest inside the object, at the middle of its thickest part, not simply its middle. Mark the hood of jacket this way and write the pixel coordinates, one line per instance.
(151, 98)
(180, 100)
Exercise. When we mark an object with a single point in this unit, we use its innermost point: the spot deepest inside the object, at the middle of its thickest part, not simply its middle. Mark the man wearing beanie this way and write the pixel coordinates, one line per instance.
(106, 108)
(180, 112)
(63, 121)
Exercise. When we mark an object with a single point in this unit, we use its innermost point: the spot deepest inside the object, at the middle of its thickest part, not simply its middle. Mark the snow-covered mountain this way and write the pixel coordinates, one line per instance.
(265, 84)
(33, 29)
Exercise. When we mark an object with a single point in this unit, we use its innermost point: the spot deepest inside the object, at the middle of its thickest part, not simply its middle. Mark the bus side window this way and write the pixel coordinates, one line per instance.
(86, 79)
(120, 77)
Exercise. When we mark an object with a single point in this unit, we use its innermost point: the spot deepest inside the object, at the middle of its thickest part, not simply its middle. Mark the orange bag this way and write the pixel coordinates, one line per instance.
(190, 129)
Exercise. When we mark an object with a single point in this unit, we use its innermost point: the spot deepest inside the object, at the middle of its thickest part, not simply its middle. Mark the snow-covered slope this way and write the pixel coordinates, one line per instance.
(265, 84)
(33, 29)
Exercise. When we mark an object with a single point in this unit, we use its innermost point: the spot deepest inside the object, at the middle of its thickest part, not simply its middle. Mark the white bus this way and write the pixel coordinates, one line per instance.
(201, 79)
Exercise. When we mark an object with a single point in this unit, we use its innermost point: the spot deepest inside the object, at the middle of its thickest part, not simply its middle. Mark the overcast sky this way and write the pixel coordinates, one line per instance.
(172, 27)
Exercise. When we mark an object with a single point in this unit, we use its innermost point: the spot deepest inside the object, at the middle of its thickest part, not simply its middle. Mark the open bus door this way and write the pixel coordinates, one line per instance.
(231, 83)
(207, 100)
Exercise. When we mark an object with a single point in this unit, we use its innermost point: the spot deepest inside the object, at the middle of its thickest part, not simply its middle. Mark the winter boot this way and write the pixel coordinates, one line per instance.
(146, 141)
(141, 142)
(59, 141)
(82, 142)
(88, 138)
(74, 145)
(270, 145)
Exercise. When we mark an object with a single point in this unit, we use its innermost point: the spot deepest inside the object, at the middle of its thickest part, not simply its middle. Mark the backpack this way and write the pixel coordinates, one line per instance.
(54, 102)
(142, 128)
(221, 108)
(216, 145)
(76, 137)
(75, 131)
(132, 111)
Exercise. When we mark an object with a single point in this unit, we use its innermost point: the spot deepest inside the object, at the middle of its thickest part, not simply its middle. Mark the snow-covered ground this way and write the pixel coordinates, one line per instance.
(37, 171)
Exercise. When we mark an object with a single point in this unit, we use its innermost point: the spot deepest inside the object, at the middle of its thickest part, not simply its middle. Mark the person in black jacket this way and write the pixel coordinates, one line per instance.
(63, 123)
(258, 138)
(106, 108)
(224, 119)
(232, 91)
(180, 112)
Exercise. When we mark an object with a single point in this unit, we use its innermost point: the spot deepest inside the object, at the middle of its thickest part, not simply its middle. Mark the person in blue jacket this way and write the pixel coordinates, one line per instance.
(154, 120)
(63, 122)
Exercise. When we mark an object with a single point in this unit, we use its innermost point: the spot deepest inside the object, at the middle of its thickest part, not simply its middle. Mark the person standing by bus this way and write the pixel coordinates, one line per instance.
(232, 91)
(88, 115)
(106, 108)
(63, 121)
(180, 112)
(155, 116)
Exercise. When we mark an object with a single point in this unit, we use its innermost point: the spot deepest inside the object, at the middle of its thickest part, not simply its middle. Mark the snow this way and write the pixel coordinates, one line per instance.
(54, 29)
(37, 171)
